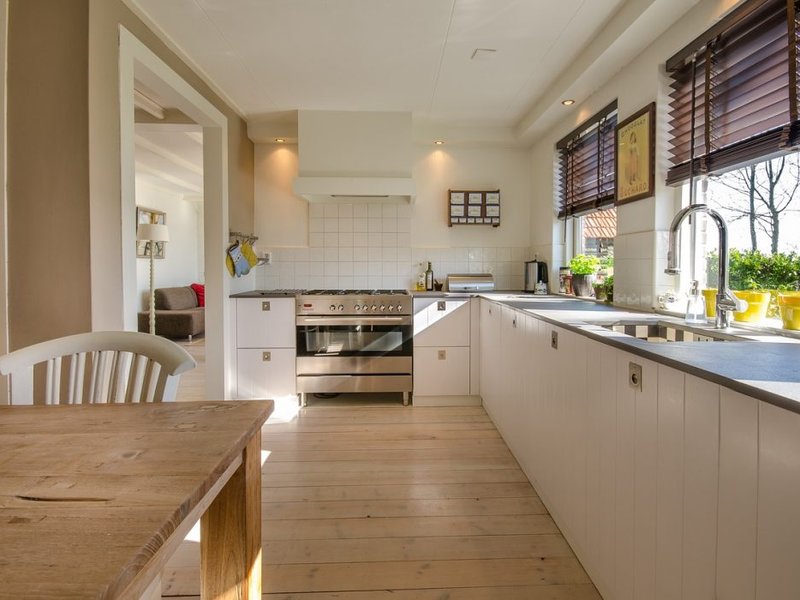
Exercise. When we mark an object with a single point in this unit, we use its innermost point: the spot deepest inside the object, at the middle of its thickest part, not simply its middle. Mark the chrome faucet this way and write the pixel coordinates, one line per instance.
(725, 301)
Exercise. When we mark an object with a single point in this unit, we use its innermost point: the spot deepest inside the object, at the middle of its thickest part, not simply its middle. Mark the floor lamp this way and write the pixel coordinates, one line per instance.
(151, 233)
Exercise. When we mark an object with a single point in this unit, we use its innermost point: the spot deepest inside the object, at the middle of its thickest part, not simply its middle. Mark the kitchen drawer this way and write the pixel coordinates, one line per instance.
(265, 323)
(441, 371)
(440, 322)
(265, 373)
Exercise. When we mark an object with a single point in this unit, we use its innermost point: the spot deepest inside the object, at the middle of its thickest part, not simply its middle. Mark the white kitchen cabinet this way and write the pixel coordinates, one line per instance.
(700, 491)
(669, 517)
(265, 323)
(489, 350)
(443, 353)
(683, 489)
(777, 574)
(738, 496)
(265, 373)
(441, 371)
(265, 347)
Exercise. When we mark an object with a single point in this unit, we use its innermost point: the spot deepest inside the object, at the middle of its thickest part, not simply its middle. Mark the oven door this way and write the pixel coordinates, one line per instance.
(361, 337)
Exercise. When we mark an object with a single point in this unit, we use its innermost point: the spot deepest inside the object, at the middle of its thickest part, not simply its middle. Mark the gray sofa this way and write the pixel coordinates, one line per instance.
(177, 314)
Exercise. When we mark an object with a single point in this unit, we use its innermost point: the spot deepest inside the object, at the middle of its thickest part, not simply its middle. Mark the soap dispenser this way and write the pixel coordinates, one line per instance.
(696, 306)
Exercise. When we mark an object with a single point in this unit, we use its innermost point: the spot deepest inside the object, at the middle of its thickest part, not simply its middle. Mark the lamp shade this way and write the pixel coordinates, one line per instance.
(152, 232)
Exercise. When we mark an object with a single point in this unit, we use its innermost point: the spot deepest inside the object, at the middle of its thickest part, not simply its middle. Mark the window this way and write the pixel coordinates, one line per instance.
(734, 92)
(734, 122)
(586, 165)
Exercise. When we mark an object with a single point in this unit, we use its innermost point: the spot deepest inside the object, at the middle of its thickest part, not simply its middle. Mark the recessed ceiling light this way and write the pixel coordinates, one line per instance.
(439, 142)
(568, 102)
(280, 140)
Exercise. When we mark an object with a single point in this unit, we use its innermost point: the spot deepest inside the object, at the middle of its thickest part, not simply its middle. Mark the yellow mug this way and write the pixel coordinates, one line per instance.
(789, 304)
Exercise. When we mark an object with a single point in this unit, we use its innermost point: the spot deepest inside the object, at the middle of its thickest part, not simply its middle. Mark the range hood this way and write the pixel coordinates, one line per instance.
(354, 155)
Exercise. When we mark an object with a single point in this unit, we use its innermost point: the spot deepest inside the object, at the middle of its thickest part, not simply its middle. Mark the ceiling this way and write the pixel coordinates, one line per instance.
(169, 156)
(270, 58)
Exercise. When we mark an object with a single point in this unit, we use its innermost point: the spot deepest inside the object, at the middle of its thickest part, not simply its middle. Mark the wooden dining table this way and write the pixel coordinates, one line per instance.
(95, 498)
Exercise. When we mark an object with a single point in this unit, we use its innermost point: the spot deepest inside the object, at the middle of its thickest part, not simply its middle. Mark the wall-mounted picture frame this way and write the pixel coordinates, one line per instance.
(456, 197)
(492, 198)
(635, 156)
(456, 210)
(149, 215)
(475, 197)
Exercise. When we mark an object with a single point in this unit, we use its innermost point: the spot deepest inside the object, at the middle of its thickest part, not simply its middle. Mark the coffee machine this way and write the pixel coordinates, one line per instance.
(536, 277)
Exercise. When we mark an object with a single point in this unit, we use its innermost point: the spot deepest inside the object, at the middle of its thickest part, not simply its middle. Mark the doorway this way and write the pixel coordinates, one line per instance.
(138, 64)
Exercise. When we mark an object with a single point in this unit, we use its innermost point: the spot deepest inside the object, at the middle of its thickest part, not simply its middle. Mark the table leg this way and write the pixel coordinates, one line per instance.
(230, 534)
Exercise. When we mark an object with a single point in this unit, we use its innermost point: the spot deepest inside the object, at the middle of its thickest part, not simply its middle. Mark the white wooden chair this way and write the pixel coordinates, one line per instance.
(97, 367)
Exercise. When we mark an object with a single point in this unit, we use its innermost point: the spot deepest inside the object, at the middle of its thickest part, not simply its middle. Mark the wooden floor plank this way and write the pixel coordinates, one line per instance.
(411, 491)
(476, 547)
(398, 465)
(389, 478)
(550, 592)
(400, 503)
(344, 509)
(406, 454)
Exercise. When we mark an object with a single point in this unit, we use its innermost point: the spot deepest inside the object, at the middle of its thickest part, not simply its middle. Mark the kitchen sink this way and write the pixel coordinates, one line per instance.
(666, 331)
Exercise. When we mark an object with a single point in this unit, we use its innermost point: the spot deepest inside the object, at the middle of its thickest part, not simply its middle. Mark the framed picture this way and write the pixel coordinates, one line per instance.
(492, 197)
(475, 198)
(492, 210)
(149, 215)
(474, 210)
(457, 210)
(635, 153)
(456, 197)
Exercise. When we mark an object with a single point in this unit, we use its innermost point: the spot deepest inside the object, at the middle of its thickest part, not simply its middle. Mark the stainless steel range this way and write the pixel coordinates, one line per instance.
(354, 341)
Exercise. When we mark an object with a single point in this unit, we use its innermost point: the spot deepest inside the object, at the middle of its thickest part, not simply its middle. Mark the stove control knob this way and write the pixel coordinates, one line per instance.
(341, 308)
(399, 307)
(391, 307)
(374, 307)
(357, 307)
(333, 307)
(365, 307)
(383, 307)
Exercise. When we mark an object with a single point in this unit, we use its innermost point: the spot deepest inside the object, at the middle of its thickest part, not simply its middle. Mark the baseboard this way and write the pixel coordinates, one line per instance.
(446, 400)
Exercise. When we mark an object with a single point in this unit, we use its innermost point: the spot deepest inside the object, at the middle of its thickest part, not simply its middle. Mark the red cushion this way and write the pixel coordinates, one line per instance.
(200, 290)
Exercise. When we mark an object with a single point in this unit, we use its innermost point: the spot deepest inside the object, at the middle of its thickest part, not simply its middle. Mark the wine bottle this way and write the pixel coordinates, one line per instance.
(429, 278)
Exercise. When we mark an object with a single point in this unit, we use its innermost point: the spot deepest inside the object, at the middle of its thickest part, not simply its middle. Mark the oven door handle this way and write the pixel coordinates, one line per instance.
(333, 320)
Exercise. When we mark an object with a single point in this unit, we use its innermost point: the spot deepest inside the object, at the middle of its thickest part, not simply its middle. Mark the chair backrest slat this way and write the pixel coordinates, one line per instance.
(100, 367)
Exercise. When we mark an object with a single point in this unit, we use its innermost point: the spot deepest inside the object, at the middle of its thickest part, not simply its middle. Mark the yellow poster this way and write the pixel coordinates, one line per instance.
(634, 156)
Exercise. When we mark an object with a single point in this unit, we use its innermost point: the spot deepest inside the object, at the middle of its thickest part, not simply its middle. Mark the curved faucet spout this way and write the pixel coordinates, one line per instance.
(725, 301)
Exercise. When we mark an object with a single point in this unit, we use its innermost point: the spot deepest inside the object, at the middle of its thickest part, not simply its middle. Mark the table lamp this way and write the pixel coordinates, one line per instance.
(152, 233)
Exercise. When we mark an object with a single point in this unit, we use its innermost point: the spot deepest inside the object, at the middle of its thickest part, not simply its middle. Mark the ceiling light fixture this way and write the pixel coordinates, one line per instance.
(280, 140)
(439, 142)
(568, 102)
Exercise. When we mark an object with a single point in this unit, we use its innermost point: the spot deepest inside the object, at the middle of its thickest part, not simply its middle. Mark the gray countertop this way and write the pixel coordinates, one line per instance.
(767, 369)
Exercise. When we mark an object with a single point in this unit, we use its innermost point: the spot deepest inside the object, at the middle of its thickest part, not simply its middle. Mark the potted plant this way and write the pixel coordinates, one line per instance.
(608, 284)
(583, 267)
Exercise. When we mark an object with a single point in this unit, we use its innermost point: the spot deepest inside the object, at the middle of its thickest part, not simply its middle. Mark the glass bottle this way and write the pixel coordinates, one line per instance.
(696, 305)
(429, 278)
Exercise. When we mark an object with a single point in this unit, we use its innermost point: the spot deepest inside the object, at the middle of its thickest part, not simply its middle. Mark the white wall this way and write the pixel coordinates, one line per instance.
(284, 222)
(640, 246)
(183, 263)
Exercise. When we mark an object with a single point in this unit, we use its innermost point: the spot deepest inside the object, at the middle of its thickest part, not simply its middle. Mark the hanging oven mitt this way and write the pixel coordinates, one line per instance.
(240, 264)
(249, 254)
(229, 263)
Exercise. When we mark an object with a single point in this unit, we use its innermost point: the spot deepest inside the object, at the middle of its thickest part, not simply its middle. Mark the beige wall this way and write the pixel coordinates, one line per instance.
(48, 179)
(64, 164)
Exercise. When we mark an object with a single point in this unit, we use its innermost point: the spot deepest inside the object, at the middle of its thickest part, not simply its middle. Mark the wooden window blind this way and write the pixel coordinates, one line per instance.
(734, 91)
(587, 166)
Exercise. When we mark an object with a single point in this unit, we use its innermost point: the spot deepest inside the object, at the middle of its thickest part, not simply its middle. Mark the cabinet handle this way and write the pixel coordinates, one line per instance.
(265, 305)
(514, 323)
(441, 305)
(266, 356)
(442, 354)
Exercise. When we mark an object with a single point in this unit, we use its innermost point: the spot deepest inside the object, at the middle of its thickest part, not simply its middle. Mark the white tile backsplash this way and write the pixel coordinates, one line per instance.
(369, 246)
